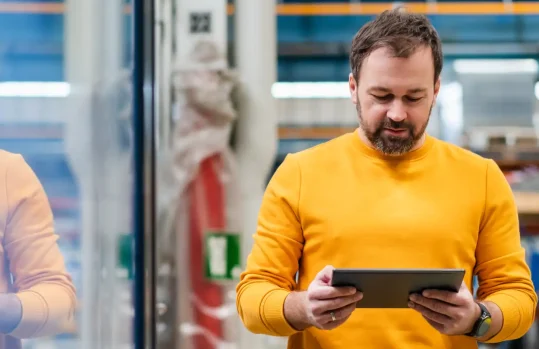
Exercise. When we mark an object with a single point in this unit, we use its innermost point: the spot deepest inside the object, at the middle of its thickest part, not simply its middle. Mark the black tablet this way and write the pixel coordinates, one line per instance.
(390, 288)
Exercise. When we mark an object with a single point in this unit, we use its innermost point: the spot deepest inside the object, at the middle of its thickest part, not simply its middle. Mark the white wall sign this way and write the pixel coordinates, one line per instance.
(201, 32)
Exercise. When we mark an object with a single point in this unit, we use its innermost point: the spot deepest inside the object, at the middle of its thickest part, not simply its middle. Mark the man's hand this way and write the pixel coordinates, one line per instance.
(329, 307)
(448, 312)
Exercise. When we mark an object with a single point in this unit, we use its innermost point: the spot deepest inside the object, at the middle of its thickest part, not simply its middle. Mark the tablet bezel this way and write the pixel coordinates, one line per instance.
(402, 283)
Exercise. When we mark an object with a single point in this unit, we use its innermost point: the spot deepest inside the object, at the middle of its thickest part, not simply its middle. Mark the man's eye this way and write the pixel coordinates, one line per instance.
(383, 98)
(413, 99)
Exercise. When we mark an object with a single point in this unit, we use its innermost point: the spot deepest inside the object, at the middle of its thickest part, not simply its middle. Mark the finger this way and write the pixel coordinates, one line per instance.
(329, 292)
(430, 314)
(340, 314)
(332, 325)
(319, 307)
(445, 296)
(433, 304)
(324, 276)
(438, 327)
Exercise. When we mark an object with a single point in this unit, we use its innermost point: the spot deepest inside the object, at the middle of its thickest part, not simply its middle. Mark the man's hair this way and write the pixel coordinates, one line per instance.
(399, 31)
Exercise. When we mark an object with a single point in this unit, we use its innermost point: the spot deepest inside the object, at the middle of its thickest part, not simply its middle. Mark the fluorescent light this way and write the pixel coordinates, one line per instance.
(34, 89)
(279, 89)
(310, 90)
(495, 66)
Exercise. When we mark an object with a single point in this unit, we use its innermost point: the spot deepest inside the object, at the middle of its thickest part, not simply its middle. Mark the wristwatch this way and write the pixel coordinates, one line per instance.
(482, 325)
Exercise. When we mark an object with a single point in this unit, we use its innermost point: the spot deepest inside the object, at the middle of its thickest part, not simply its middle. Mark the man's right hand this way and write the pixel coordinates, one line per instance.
(322, 306)
(329, 307)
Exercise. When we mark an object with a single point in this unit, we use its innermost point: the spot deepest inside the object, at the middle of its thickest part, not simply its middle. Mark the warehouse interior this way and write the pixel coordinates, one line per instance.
(242, 83)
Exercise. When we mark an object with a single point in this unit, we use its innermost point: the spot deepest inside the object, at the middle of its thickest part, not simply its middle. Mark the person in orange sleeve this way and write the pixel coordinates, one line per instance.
(388, 196)
(37, 296)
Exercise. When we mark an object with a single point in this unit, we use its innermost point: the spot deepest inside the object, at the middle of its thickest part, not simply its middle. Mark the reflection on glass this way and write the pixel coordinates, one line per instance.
(65, 101)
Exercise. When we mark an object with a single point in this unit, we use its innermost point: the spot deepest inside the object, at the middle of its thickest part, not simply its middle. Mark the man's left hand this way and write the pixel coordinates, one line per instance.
(451, 313)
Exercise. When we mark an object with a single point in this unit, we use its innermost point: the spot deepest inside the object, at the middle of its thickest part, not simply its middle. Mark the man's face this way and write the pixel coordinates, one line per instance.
(394, 98)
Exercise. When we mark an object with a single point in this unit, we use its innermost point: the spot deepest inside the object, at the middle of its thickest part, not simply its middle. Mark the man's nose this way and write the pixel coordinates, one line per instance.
(397, 111)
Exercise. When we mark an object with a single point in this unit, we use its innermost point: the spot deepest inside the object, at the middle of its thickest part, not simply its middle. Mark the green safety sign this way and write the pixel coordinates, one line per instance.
(222, 256)
(125, 254)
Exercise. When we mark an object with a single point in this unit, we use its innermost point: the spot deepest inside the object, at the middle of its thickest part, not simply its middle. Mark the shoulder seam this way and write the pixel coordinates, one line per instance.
(296, 160)
(486, 193)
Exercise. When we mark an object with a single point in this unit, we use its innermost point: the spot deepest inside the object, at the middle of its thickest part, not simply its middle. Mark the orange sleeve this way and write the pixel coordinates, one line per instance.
(42, 284)
(504, 277)
(273, 263)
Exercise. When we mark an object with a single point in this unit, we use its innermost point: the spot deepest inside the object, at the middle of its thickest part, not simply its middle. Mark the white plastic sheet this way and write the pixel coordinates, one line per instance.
(203, 121)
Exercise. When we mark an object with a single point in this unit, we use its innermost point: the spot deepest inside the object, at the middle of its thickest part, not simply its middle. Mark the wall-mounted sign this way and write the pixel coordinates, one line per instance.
(201, 30)
(200, 22)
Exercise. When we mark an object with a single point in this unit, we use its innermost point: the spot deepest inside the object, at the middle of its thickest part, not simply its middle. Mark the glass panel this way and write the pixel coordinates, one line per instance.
(66, 94)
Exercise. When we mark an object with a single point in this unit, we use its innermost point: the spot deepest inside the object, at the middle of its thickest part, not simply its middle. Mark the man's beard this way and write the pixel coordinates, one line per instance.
(392, 145)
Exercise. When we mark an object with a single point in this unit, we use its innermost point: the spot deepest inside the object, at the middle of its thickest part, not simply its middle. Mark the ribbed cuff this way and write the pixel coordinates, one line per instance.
(510, 308)
(273, 313)
(34, 314)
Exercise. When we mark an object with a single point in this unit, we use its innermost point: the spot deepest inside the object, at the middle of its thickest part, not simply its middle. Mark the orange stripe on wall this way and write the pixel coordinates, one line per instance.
(39, 8)
(460, 8)
(313, 132)
(343, 9)
(31, 8)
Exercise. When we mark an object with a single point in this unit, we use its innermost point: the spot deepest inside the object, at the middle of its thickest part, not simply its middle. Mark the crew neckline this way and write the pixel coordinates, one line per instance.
(409, 156)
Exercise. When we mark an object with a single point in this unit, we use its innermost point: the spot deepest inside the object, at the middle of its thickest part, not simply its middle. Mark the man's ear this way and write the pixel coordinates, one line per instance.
(352, 85)
(437, 87)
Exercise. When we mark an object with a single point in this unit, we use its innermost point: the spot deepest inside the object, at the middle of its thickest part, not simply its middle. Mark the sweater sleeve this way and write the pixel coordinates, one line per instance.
(504, 277)
(40, 279)
(273, 262)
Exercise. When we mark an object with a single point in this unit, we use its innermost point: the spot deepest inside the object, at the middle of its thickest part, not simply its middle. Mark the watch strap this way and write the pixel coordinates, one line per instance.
(483, 316)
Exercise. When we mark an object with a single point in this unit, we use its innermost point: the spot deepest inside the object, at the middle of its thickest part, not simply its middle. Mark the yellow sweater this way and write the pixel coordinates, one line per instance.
(345, 204)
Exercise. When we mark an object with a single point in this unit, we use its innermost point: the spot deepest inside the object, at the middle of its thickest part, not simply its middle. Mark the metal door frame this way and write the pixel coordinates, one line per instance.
(144, 329)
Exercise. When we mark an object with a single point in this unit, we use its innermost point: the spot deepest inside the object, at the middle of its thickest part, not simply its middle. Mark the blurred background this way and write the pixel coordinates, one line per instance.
(240, 85)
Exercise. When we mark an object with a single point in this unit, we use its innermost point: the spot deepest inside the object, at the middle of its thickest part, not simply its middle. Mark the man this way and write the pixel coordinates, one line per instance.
(388, 196)
(37, 296)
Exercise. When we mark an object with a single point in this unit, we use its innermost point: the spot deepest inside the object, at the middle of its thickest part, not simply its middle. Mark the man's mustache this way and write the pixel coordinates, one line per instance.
(389, 123)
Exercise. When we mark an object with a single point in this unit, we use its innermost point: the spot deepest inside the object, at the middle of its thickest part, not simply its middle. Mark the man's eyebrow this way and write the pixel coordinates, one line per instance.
(387, 90)
(417, 90)
(379, 89)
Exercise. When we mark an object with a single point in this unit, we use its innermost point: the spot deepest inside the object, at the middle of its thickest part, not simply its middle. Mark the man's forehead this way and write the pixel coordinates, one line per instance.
(383, 58)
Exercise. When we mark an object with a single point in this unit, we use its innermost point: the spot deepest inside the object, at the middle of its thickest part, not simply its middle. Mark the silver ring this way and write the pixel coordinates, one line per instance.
(333, 318)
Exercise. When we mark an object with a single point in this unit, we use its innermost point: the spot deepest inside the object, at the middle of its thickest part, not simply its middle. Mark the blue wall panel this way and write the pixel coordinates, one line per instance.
(451, 28)
(31, 44)
(31, 28)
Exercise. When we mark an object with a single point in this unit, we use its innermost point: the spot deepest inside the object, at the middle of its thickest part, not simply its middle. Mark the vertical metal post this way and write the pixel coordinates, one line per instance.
(144, 168)
(256, 135)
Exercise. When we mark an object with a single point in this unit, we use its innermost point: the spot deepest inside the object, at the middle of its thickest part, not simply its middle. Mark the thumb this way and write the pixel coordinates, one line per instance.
(325, 275)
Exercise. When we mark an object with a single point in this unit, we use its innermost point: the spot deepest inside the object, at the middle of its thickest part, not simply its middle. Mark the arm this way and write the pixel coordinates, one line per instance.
(505, 284)
(45, 292)
(272, 265)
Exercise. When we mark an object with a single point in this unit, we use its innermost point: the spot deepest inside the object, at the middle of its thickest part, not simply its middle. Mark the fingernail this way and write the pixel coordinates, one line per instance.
(426, 294)
(411, 304)
(413, 297)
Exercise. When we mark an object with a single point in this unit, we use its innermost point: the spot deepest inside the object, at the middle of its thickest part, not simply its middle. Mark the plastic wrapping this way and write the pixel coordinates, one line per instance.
(198, 194)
